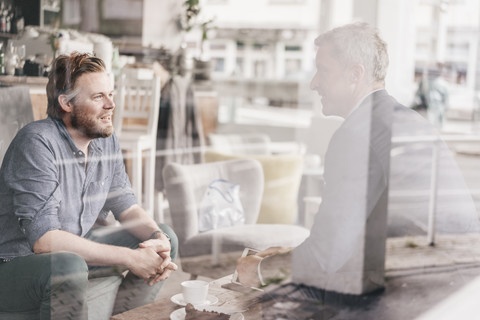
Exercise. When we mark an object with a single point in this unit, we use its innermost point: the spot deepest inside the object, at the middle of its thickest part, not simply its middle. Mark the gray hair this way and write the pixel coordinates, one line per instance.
(358, 43)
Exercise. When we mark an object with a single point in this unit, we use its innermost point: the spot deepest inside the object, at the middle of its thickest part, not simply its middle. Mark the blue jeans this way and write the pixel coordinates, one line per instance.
(54, 285)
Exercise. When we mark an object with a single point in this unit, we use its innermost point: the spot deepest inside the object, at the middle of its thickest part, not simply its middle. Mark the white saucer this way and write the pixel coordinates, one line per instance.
(178, 299)
(180, 314)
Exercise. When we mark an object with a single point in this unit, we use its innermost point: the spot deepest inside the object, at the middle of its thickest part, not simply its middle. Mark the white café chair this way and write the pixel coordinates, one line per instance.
(186, 186)
(135, 121)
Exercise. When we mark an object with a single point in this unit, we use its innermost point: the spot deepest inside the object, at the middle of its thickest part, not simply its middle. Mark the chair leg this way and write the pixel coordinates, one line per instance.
(150, 181)
(216, 249)
(158, 214)
(137, 174)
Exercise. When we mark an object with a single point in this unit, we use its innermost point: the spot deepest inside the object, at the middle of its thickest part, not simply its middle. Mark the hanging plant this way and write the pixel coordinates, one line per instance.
(205, 27)
(192, 10)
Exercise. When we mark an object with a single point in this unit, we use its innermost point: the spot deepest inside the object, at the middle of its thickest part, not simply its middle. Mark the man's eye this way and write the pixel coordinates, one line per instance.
(99, 97)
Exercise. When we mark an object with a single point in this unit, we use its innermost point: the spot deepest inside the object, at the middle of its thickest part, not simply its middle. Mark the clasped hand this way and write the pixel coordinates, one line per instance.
(153, 262)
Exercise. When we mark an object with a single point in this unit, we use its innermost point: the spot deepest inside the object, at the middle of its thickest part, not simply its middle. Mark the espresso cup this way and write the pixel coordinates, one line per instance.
(195, 291)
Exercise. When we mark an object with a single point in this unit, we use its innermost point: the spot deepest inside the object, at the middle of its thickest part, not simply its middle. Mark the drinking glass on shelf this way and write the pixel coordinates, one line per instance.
(20, 52)
(10, 59)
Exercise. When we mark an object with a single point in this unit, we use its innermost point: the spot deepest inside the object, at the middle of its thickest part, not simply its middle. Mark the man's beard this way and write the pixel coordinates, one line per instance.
(86, 124)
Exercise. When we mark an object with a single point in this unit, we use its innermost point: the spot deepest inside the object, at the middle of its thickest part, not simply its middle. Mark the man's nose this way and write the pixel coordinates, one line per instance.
(110, 103)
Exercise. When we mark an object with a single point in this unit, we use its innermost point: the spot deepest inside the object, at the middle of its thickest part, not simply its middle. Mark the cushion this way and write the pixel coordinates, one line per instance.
(256, 236)
(282, 174)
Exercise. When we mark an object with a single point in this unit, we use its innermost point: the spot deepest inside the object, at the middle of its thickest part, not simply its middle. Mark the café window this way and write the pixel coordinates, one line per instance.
(218, 46)
(260, 68)
(260, 46)
(218, 64)
(239, 68)
(293, 48)
(287, 2)
(240, 45)
(292, 67)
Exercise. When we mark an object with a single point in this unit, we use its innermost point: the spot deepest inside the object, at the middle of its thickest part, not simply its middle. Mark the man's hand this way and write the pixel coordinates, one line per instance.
(273, 251)
(159, 245)
(145, 263)
(162, 248)
(141, 225)
(247, 268)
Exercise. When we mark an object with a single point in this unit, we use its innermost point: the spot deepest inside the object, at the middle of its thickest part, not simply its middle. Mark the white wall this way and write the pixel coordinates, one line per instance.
(160, 26)
(397, 27)
(238, 13)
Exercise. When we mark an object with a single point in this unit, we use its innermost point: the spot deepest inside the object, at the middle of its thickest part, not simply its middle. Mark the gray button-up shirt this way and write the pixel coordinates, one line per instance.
(46, 185)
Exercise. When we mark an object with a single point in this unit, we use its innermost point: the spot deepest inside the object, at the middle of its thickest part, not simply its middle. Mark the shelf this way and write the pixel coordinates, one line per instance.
(8, 35)
(24, 80)
(51, 9)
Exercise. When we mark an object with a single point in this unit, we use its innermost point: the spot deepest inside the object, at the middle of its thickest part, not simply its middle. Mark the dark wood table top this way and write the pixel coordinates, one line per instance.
(244, 300)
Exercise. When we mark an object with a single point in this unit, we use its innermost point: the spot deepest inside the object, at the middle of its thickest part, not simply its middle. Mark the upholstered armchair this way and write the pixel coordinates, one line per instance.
(185, 187)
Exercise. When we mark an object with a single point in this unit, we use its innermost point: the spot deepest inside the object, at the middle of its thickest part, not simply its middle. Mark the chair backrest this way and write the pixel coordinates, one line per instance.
(16, 111)
(186, 185)
(282, 175)
(248, 143)
(137, 102)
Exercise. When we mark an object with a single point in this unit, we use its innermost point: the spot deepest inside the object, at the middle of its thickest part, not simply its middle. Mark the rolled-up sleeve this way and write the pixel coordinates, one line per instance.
(35, 187)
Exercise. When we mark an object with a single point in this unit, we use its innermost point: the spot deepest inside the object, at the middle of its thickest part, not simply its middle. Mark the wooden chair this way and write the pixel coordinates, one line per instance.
(135, 122)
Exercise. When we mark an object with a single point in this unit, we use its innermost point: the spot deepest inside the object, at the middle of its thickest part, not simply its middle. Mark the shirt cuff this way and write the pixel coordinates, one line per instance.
(35, 229)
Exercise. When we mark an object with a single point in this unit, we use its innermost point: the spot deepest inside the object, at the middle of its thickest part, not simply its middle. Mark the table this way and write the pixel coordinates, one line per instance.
(161, 309)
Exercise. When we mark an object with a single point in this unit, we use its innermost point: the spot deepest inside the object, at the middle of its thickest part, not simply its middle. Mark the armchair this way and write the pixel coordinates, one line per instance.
(185, 186)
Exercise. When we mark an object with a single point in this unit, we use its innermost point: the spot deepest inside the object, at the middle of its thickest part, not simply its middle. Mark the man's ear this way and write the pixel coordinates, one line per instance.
(357, 73)
(65, 103)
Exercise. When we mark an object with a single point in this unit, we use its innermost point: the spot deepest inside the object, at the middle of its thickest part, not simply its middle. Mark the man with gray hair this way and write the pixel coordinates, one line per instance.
(345, 251)
(351, 64)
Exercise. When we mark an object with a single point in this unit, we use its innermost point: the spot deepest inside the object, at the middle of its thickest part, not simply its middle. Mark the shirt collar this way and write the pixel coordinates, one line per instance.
(93, 146)
(363, 99)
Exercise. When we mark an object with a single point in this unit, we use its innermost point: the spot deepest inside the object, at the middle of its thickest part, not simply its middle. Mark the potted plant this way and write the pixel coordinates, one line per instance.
(202, 65)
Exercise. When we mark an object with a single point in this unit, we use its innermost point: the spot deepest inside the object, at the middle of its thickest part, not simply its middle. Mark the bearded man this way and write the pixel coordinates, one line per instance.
(58, 176)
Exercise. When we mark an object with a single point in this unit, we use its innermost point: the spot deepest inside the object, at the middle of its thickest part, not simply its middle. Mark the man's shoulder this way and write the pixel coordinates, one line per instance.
(42, 128)
(33, 132)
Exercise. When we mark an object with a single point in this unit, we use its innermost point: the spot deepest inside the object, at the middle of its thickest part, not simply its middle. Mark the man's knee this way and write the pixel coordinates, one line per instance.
(68, 267)
(64, 263)
(173, 239)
